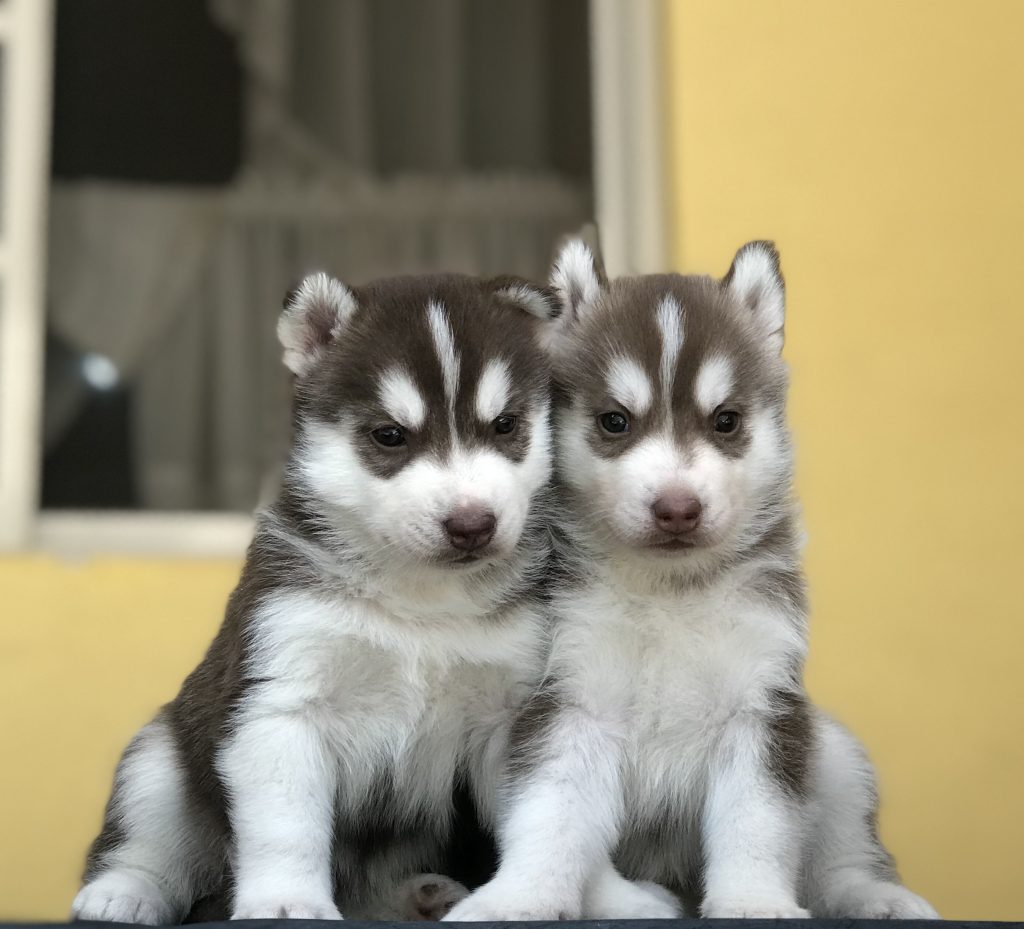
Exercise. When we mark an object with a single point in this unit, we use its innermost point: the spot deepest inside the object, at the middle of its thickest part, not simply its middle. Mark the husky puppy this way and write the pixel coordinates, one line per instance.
(673, 731)
(387, 625)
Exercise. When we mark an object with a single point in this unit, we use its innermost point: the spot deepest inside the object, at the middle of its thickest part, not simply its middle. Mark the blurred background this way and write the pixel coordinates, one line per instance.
(168, 169)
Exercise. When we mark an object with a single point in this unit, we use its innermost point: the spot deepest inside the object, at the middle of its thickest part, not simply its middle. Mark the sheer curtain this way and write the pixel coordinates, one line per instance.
(381, 136)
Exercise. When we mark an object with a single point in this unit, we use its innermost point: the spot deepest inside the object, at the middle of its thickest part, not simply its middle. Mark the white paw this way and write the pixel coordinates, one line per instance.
(752, 907)
(496, 902)
(658, 903)
(278, 908)
(429, 897)
(891, 901)
(624, 899)
(123, 897)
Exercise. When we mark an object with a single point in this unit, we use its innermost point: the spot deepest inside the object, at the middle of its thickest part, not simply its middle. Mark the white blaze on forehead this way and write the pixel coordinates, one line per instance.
(629, 384)
(444, 345)
(670, 322)
(402, 399)
(714, 383)
(494, 390)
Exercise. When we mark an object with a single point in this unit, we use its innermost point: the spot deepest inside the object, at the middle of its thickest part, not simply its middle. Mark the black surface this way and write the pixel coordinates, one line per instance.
(608, 924)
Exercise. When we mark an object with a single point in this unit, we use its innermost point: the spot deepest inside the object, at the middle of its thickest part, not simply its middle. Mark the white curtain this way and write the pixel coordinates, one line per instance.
(181, 287)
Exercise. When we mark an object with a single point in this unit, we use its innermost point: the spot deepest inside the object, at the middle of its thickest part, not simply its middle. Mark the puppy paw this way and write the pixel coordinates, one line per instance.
(284, 908)
(123, 897)
(500, 902)
(622, 899)
(752, 907)
(890, 901)
(429, 897)
(658, 902)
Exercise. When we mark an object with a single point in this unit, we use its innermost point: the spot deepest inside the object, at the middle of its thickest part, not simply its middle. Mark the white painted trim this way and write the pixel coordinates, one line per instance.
(630, 185)
(80, 533)
(27, 64)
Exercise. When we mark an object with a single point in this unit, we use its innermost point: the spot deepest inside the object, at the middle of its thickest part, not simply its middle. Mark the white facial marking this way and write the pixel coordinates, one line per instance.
(402, 399)
(444, 345)
(622, 489)
(401, 517)
(670, 323)
(629, 384)
(714, 383)
(494, 389)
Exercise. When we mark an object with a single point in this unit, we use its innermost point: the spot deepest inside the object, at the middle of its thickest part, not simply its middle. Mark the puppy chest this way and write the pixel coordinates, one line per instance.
(401, 726)
(691, 674)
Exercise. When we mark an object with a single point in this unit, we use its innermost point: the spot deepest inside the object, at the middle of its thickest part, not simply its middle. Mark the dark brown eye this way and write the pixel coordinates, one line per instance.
(389, 436)
(505, 424)
(727, 421)
(614, 423)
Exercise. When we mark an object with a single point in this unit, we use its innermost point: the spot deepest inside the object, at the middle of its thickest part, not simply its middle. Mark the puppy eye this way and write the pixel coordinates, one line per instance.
(505, 424)
(614, 423)
(727, 421)
(389, 436)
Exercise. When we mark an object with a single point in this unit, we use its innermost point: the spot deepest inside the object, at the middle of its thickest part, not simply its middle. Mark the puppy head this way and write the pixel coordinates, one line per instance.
(672, 432)
(422, 413)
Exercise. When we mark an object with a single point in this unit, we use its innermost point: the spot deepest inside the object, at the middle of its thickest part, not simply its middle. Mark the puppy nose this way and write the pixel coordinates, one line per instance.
(677, 513)
(470, 528)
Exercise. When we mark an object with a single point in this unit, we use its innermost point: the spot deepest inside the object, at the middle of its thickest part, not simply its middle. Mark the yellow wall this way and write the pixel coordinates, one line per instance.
(881, 144)
(87, 652)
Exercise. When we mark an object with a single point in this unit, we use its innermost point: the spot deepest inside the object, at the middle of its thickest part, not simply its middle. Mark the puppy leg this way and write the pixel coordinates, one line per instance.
(752, 831)
(152, 854)
(282, 784)
(850, 875)
(561, 822)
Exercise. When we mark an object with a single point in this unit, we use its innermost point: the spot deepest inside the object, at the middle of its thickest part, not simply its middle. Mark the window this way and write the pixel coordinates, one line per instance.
(217, 152)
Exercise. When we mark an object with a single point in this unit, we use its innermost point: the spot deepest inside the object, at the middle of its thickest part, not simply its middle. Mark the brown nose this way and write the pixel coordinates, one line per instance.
(470, 528)
(677, 513)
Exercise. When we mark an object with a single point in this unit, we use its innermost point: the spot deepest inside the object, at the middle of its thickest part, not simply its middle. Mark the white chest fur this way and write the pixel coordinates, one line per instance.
(415, 699)
(668, 672)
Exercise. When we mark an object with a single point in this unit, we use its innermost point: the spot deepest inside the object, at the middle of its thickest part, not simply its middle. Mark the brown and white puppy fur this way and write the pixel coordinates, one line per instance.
(388, 623)
(673, 734)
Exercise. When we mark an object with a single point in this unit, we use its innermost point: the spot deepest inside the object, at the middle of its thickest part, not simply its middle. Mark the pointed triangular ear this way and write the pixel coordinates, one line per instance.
(577, 280)
(536, 300)
(314, 314)
(755, 279)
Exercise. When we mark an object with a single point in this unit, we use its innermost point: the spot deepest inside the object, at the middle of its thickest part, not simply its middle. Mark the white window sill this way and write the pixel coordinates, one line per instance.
(83, 533)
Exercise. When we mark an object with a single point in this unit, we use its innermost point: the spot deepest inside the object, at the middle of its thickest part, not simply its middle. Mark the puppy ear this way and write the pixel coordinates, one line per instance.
(536, 300)
(755, 279)
(314, 314)
(577, 280)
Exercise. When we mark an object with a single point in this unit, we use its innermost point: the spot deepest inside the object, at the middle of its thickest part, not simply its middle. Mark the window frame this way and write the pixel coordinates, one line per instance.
(627, 79)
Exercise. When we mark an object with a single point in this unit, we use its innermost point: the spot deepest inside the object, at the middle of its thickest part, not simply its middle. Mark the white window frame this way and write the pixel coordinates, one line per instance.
(26, 36)
(629, 189)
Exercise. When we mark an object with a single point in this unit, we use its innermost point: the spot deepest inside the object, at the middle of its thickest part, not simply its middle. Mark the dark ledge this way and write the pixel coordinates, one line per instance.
(590, 924)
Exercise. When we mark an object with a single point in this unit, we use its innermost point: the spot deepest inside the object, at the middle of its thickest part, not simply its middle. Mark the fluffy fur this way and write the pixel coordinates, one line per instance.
(350, 720)
(673, 734)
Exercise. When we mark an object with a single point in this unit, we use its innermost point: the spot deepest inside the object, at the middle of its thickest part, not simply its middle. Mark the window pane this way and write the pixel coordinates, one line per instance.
(190, 193)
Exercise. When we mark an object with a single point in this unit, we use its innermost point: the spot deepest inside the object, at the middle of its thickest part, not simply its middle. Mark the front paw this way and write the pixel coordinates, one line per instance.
(752, 907)
(512, 903)
(892, 901)
(284, 907)
(122, 897)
